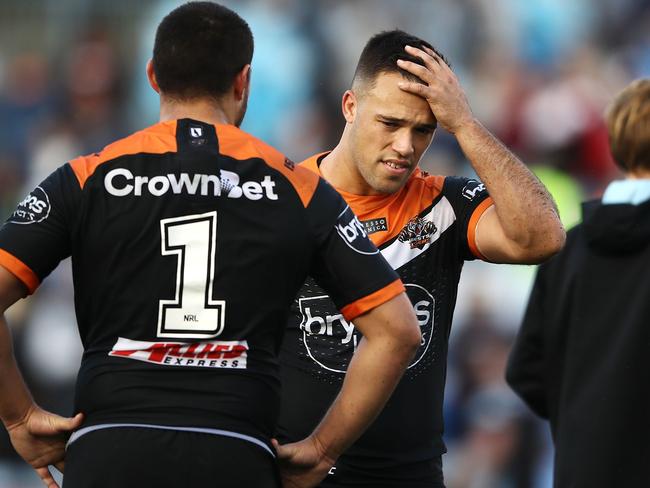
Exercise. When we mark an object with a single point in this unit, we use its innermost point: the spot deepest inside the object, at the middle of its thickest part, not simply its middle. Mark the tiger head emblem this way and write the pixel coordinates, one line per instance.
(417, 232)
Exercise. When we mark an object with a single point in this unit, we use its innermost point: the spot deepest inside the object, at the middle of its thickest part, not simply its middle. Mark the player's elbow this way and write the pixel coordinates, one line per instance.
(540, 245)
(411, 336)
(549, 244)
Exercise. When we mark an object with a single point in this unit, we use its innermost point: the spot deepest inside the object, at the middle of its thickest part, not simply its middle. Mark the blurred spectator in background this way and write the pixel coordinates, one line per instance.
(581, 358)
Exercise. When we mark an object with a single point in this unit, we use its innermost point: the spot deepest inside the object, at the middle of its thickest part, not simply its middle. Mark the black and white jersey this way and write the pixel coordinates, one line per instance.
(425, 231)
(189, 242)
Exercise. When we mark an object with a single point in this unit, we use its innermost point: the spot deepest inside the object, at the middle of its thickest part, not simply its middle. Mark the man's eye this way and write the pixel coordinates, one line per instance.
(424, 131)
(388, 123)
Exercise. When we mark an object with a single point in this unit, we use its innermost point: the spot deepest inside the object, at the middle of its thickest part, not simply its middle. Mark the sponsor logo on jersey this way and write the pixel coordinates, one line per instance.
(375, 225)
(330, 340)
(121, 182)
(353, 233)
(33, 209)
(417, 232)
(472, 188)
(204, 354)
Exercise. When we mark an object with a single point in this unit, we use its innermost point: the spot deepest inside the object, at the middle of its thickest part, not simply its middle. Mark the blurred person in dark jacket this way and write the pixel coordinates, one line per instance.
(582, 357)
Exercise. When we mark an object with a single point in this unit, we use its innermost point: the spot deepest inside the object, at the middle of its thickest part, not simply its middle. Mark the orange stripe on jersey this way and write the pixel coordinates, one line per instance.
(471, 228)
(367, 303)
(420, 189)
(237, 144)
(20, 270)
(157, 139)
(312, 163)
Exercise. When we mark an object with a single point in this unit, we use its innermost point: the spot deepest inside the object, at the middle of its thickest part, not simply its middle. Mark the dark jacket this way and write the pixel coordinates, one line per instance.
(582, 356)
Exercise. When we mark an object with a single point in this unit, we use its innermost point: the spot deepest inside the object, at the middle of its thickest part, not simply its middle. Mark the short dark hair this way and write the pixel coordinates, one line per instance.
(382, 51)
(199, 49)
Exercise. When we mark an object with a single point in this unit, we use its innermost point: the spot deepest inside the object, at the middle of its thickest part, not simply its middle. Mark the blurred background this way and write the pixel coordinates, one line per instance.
(538, 73)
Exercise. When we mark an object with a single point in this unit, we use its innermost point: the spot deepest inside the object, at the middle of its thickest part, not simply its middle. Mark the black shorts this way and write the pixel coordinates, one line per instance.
(425, 474)
(137, 457)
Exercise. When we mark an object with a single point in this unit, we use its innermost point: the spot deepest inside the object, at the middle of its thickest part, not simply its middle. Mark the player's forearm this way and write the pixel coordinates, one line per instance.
(15, 399)
(524, 207)
(373, 374)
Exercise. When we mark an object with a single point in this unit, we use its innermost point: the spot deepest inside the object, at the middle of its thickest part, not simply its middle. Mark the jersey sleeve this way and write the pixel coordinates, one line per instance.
(36, 237)
(346, 263)
(469, 199)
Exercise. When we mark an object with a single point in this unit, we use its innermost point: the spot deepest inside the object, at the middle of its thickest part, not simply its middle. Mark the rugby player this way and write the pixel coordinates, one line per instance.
(426, 226)
(189, 240)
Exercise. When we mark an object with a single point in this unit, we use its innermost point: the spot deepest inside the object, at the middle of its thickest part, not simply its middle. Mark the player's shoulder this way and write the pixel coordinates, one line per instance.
(238, 144)
(424, 184)
(156, 139)
(312, 162)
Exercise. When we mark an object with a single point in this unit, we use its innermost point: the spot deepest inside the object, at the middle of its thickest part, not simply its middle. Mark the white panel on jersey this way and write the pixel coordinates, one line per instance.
(442, 216)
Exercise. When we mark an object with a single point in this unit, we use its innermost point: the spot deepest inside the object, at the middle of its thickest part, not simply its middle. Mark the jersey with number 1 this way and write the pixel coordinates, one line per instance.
(189, 241)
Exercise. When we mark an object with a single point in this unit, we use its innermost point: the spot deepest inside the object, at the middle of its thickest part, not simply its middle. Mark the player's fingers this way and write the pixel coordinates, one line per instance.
(415, 88)
(285, 452)
(434, 55)
(65, 424)
(46, 477)
(431, 61)
(415, 69)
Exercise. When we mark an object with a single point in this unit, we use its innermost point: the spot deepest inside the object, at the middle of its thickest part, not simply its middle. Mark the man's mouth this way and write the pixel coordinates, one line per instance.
(396, 165)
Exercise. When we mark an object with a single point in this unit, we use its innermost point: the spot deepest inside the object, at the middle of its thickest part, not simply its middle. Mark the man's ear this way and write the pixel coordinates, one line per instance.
(349, 106)
(151, 76)
(242, 82)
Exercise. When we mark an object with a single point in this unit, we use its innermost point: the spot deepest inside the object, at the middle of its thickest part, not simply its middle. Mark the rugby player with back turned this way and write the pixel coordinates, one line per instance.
(189, 240)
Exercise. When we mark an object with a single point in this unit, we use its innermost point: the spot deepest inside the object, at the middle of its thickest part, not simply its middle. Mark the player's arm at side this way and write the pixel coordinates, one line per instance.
(38, 436)
(15, 400)
(391, 337)
(32, 242)
(367, 291)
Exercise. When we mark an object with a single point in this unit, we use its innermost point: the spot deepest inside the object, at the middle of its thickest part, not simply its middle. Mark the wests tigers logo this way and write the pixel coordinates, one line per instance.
(417, 232)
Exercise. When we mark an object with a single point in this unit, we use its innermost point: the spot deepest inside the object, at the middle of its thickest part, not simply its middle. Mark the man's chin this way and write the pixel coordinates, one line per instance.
(390, 186)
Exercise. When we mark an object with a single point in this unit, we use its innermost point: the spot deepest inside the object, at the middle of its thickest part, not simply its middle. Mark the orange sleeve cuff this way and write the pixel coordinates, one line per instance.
(20, 270)
(367, 303)
(471, 228)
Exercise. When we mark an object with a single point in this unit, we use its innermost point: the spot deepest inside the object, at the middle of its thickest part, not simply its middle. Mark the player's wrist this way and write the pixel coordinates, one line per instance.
(466, 126)
(326, 452)
(18, 415)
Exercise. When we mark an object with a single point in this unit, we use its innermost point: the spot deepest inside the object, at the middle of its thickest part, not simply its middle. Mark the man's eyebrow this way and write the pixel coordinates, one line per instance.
(397, 120)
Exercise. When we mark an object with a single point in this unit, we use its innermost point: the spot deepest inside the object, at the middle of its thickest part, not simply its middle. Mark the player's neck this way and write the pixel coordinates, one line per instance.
(340, 171)
(208, 111)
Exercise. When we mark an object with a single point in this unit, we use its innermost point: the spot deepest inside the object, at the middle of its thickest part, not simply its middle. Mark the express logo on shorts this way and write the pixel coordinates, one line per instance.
(33, 209)
(330, 340)
(354, 233)
(472, 189)
(417, 232)
(205, 354)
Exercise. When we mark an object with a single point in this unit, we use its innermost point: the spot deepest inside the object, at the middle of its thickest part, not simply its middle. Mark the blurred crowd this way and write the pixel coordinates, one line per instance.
(538, 73)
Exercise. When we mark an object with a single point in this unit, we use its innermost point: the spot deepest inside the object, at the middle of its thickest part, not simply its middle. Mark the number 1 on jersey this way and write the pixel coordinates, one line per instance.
(192, 313)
